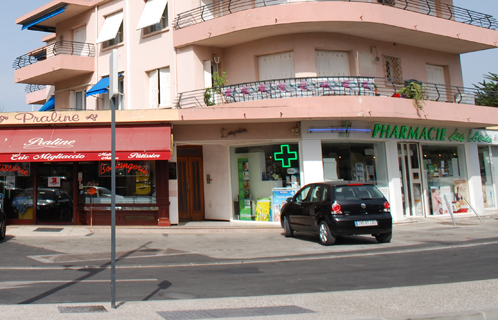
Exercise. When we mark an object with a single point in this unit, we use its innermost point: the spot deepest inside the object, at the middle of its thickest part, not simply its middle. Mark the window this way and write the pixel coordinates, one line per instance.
(154, 17)
(163, 24)
(112, 30)
(117, 40)
(276, 66)
(332, 63)
(107, 102)
(77, 100)
(392, 68)
(301, 196)
(159, 88)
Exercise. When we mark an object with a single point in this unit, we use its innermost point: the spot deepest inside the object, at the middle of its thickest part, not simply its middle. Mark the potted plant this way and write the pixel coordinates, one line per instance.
(219, 82)
(415, 90)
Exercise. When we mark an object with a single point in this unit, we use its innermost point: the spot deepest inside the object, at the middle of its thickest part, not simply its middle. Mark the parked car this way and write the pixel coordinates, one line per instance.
(338, 208)
(3, 225)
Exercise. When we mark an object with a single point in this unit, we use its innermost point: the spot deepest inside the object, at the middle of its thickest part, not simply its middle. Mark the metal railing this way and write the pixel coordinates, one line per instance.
(317, 87)
(34, 87)
(434, 8)
(49, 51)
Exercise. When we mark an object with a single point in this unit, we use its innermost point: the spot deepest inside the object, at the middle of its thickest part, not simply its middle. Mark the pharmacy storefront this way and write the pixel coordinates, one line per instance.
(422, 170)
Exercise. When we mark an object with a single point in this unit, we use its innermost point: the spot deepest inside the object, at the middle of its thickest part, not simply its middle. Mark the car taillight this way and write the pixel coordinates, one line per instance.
(336, 208)
(387, 207)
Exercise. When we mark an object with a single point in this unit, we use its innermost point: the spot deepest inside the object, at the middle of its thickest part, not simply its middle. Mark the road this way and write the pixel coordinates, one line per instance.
(158, 266)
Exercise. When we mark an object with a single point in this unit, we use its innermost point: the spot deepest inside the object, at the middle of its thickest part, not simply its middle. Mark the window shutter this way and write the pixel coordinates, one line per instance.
(153, 89)
(164, 87)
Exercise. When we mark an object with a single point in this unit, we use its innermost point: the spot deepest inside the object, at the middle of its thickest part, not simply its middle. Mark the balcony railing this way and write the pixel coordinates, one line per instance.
(320, 86)
(434, 8)
(34, 87)
(49, 51)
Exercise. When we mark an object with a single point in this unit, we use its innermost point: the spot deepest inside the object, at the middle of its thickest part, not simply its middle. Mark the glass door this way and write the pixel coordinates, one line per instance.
(411, 175)
(54, 203)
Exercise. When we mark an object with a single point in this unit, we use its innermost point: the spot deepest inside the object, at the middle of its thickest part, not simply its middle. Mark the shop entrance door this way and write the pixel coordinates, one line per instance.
(54, 197)
(411, 175)
(190, 183)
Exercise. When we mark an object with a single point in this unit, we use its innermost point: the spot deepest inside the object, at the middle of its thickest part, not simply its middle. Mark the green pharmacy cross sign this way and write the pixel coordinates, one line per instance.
(286, 156)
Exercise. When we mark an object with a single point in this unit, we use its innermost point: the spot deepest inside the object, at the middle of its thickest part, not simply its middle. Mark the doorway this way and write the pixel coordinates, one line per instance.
(54, 197)
(190, 183)
(411, 176)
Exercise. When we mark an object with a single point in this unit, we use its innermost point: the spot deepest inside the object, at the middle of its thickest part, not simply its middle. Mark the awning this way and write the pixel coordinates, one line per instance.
(111, 27)
(100, 87)
(32, 24)
(49, 105)
(133, 143)
(152, 13)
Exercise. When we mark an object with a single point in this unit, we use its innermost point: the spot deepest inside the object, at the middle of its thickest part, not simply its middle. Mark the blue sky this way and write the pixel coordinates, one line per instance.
(17, 43)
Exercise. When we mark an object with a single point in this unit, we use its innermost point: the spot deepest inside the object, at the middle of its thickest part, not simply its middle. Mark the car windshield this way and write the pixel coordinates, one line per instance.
(363, 192)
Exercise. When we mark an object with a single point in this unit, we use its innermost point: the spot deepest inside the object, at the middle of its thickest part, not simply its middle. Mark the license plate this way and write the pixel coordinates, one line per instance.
(366, 223)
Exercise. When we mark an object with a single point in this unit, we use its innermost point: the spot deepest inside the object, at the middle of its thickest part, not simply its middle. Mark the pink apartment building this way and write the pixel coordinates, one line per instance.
(310, 94)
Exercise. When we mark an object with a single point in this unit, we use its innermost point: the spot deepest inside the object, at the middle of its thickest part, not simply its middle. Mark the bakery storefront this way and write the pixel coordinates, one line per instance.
(70, 169)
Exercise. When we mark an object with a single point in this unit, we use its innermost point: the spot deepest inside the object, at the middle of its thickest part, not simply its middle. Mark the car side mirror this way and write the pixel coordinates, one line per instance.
(289, 199)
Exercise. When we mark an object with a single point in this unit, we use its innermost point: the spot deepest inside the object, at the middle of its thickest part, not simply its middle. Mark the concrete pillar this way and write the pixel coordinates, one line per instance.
(474, 173)
(395, 197)
(312, 161)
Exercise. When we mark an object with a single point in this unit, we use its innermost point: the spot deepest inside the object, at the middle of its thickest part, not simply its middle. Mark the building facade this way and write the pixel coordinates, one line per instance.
(228, 107)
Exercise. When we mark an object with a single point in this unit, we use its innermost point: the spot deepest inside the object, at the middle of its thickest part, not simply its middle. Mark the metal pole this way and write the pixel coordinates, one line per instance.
(475, 212)
(450, 209)
(114, 101)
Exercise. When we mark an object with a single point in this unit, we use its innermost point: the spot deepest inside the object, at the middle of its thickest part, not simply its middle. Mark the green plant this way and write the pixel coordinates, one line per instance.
(414, 90)
(488, 91)
(219, 81)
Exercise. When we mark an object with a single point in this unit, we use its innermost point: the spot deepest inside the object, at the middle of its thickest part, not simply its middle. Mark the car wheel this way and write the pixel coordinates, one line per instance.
(287, 228)
(3, 230)
(384, 237)
(326, 238)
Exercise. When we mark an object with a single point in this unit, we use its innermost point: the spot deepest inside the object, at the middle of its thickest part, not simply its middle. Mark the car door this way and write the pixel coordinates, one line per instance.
(317, 205)
(296, 209)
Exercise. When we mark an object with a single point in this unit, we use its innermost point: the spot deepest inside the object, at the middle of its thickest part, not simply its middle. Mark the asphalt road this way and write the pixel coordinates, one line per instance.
(171, 266)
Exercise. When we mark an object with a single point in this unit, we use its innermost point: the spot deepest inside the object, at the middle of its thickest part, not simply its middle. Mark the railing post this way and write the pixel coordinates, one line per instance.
(407, 4)
(229, 4)
(451, 12)
(179, 99)
(428, 6)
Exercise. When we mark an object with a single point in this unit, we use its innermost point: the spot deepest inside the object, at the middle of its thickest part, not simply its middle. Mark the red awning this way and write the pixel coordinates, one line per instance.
(84, 144)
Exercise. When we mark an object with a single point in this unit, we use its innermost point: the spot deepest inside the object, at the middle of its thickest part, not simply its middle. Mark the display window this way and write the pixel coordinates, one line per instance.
(361, 162)
(263, 177)
(135, 182)
(16, 190)
(447, 180)
(485, 164)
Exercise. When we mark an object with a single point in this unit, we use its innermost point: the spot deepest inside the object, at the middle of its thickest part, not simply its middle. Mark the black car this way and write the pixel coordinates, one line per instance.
(3, 225)
(338, 208)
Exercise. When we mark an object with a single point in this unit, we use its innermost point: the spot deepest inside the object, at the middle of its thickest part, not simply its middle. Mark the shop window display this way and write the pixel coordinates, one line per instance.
(446, 178)
(361, 162)
(263, 177)
(485, 165)
(16, 190)
(135, 182)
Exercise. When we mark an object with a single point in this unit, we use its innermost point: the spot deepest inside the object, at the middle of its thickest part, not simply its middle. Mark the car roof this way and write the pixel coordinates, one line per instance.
(342, 183)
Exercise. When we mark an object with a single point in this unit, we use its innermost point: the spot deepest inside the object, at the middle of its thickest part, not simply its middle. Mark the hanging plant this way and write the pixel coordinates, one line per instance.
(415, 91)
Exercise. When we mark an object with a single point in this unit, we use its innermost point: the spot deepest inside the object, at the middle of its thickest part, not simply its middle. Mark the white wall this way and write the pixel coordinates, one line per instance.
(173, 194)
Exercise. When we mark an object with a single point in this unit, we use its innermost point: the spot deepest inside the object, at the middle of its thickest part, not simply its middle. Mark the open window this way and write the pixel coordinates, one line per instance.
(154, 17)
(112, 32)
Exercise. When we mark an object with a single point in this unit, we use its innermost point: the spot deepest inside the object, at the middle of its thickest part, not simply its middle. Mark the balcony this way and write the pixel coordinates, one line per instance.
(55, 62)
(334, 97)
(37, 93)
(427, 24)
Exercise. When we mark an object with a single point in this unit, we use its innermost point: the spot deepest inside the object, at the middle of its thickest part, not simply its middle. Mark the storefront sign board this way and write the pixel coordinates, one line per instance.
(386, 131)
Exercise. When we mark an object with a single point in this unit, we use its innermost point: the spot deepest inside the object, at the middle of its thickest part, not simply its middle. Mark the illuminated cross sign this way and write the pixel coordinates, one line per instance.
(285, 155)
